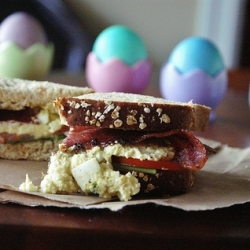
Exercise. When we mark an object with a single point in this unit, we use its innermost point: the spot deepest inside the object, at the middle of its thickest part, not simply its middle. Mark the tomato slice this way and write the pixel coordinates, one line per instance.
(160, 165)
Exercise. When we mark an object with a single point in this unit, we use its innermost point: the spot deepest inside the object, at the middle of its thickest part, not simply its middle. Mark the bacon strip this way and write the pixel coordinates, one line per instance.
(10, 138)
(24, 115)
(189, 151)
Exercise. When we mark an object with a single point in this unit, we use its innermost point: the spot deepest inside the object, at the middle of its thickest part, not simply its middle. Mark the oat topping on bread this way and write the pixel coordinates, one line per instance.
(131, 112)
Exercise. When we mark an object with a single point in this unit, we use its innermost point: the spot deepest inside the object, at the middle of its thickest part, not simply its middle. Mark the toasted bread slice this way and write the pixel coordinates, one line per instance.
(131, 112)
(15, 94)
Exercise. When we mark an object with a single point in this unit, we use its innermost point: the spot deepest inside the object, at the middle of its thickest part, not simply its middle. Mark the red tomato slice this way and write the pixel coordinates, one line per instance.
(161, 165)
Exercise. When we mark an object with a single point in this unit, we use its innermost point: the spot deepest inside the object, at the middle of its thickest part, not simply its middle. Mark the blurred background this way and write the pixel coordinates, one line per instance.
(74, 24)
(164, 23)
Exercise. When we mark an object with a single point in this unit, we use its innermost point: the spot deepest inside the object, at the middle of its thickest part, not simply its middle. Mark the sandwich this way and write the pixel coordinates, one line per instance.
(127, 145)
(30, 126)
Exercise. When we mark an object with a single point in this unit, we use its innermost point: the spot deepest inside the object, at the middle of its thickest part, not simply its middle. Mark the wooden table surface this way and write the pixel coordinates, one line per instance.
(145, 226)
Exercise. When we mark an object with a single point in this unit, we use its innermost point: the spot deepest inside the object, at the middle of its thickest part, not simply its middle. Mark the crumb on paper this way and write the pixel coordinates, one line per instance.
(28, 186)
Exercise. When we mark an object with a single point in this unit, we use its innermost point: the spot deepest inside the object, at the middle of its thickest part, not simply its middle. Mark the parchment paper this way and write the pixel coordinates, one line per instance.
(223, 182)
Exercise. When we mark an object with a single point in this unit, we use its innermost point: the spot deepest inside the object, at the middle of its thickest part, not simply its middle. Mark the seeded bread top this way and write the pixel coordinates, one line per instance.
(15, 94)
(131, 112)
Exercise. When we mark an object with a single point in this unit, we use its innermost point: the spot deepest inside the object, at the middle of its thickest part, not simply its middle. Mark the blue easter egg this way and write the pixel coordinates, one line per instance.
(197, 53)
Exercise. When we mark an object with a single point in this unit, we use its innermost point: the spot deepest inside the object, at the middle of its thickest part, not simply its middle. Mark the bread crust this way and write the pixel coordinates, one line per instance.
(15, 94)
(39, 150)
(131, 112)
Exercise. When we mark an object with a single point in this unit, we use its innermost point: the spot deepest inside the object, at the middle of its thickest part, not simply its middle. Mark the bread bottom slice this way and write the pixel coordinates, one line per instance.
(39, 150)
(165, 182)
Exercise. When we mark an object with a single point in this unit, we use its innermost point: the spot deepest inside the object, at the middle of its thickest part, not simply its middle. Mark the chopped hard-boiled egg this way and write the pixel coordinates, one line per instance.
(43, 116)
(94, 178)
(87, 174)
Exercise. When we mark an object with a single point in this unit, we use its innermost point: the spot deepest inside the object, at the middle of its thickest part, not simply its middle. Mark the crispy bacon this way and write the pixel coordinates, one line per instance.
(189, 151)
(24, 115)
(9, 138)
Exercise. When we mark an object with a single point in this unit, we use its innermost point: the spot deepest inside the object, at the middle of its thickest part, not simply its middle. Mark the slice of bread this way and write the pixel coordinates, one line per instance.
(39, 150)
(15, 94)
(131, 112)
(164, 183)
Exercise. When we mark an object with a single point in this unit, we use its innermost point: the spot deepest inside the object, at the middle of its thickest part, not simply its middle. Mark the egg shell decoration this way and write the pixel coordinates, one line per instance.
(195, 71)
(24, 50)
(118, 62)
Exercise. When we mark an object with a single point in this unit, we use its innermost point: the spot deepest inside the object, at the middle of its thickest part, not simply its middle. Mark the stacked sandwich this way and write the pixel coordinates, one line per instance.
(121, 145)
(30, 127)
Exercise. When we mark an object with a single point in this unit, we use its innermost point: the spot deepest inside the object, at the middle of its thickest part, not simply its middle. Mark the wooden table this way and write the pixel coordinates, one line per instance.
(144, 226)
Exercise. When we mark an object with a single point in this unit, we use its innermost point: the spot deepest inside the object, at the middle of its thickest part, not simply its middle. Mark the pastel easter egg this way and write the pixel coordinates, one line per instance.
(195, 71)
(24, 49)
(118, 62)
(22, 29)
(197, 53)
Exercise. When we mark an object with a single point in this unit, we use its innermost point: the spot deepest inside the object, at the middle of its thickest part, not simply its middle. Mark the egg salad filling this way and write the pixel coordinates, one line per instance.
(91, 171)
(44, 124)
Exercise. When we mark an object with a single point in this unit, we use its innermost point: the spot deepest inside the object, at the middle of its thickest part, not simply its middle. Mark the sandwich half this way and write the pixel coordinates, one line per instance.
(30, 126)
(123, 145)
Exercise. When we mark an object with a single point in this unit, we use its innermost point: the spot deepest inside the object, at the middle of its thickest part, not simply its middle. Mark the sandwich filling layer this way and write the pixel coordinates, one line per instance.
(81, 166)
(189, 151)
(29, 124)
